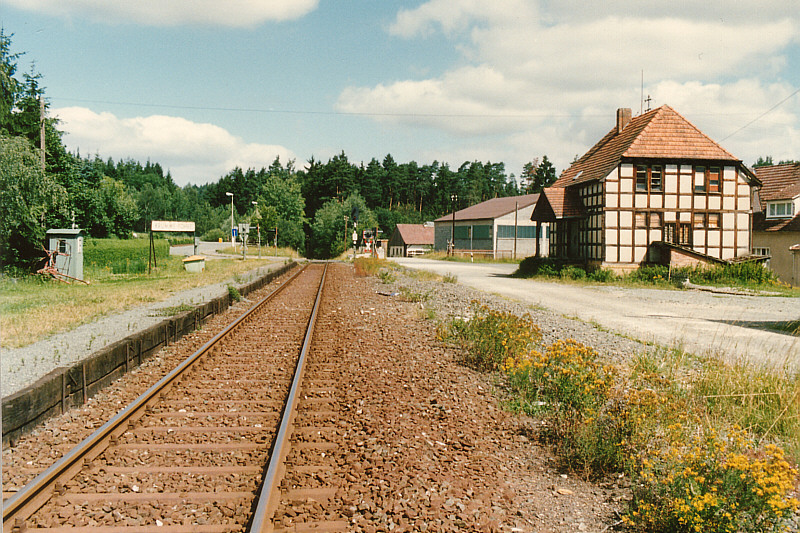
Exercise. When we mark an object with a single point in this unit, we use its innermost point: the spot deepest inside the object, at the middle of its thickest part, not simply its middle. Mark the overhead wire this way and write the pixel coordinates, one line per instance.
(762, 115)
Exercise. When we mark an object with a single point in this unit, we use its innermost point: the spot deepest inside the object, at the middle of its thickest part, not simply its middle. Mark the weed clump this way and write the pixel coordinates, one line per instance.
(367, 266)
(234, 293)
(691, 467)
(492, 337)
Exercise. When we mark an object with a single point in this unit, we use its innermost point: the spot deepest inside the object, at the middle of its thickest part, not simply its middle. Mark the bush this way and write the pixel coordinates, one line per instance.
(660, 275)
(549, 268)
(602, 275)
(572, 272)
(234, 293)
(737, 274)
(214, 235)
(492, 337)
(177, 241)
(716, 483)
(538, 266)
(114, 253)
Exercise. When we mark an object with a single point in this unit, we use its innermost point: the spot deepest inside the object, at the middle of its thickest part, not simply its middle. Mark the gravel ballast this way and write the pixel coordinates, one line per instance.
(435, 450)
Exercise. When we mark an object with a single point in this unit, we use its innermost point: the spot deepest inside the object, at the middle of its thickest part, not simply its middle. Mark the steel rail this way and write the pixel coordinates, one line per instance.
(261, 521)
(33, 495)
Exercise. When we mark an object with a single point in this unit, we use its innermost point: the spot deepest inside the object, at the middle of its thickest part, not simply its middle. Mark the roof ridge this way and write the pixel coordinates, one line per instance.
(660, 113)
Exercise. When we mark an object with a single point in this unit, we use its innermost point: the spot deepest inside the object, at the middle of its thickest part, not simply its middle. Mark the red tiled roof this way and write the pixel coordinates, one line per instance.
(415, 233)
(762, 223)
(496, 207)
(557, 202)
(778, 182)
(661, 133)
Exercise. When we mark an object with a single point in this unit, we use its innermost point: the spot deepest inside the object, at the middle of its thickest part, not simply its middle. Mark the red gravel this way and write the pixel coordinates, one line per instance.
(422, 443)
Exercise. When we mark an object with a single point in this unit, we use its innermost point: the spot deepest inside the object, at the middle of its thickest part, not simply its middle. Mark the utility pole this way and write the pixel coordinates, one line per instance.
(41, 131)
(453, 200)
(516, 212)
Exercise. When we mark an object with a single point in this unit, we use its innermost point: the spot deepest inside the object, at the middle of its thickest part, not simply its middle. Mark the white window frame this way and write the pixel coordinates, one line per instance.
(788, 209)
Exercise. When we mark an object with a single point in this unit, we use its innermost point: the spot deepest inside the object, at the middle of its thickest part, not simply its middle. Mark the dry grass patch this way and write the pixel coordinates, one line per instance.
(32, 309)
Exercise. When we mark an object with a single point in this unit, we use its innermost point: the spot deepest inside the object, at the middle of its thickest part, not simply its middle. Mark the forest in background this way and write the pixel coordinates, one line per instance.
(307, 205)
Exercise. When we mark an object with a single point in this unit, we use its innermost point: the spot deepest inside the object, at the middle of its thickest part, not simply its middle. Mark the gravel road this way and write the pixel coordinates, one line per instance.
(700, 322)
(22, 366)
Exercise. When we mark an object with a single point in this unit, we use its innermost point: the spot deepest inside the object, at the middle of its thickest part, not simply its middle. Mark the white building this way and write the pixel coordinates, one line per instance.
(500, 227)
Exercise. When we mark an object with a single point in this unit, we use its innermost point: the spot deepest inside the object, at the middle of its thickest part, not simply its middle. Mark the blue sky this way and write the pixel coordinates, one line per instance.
(202, 86)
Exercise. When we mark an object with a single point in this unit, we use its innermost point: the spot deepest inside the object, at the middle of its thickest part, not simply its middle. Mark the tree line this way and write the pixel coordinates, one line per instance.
(306, 206)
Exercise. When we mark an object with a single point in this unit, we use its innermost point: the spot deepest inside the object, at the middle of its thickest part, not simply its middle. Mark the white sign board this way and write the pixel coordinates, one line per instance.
(171, 225)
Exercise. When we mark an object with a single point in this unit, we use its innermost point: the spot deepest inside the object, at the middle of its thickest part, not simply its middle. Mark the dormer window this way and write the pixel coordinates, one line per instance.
(780, 209)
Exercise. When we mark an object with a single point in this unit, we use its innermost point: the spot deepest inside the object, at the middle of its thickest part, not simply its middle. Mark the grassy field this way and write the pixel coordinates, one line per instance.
(32, 308)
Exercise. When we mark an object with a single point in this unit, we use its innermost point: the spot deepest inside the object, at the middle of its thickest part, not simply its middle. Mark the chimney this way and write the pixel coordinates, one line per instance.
(623, 117)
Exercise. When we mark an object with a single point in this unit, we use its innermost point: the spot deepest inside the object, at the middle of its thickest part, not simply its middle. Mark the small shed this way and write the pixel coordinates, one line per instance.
(69, 245)
(409, 240)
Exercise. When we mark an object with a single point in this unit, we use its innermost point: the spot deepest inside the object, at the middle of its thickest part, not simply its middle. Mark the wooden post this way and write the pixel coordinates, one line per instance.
(83, 382)
(63, 392)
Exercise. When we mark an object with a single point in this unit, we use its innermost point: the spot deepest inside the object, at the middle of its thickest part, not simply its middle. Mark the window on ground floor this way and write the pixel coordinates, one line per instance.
(678, 233)
(762, 251)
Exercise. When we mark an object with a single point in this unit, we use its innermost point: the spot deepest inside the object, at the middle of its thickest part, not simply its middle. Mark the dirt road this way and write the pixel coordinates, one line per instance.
(700, 322)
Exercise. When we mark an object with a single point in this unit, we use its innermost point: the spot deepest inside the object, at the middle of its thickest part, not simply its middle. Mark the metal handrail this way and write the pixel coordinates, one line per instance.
(97, 442)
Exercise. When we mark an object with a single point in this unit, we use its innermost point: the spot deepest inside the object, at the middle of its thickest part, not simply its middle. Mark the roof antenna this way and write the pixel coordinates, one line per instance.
(648, 100)
(641, 98)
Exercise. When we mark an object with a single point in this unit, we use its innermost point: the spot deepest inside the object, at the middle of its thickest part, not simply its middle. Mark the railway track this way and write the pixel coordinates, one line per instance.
(190, 454)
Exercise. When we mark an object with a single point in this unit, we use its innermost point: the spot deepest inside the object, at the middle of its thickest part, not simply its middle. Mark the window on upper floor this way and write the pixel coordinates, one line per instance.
(707, 179)
(780, 209)
(713, 179)
(713, 220)
(649, 178)
(699, 220)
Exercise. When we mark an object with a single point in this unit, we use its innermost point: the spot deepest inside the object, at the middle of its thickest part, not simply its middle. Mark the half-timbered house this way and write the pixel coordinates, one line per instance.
(655, 189)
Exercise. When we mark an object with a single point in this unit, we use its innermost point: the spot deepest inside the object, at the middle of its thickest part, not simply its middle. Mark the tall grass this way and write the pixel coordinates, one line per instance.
(111, 252)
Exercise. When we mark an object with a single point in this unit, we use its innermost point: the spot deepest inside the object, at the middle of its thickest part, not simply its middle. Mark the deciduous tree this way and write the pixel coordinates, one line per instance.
(31, 200)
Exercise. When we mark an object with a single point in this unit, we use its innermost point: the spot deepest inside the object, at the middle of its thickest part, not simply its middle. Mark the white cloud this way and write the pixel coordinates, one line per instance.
(458, 16)
(192, 152)
(232, 13)
(546, 77)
